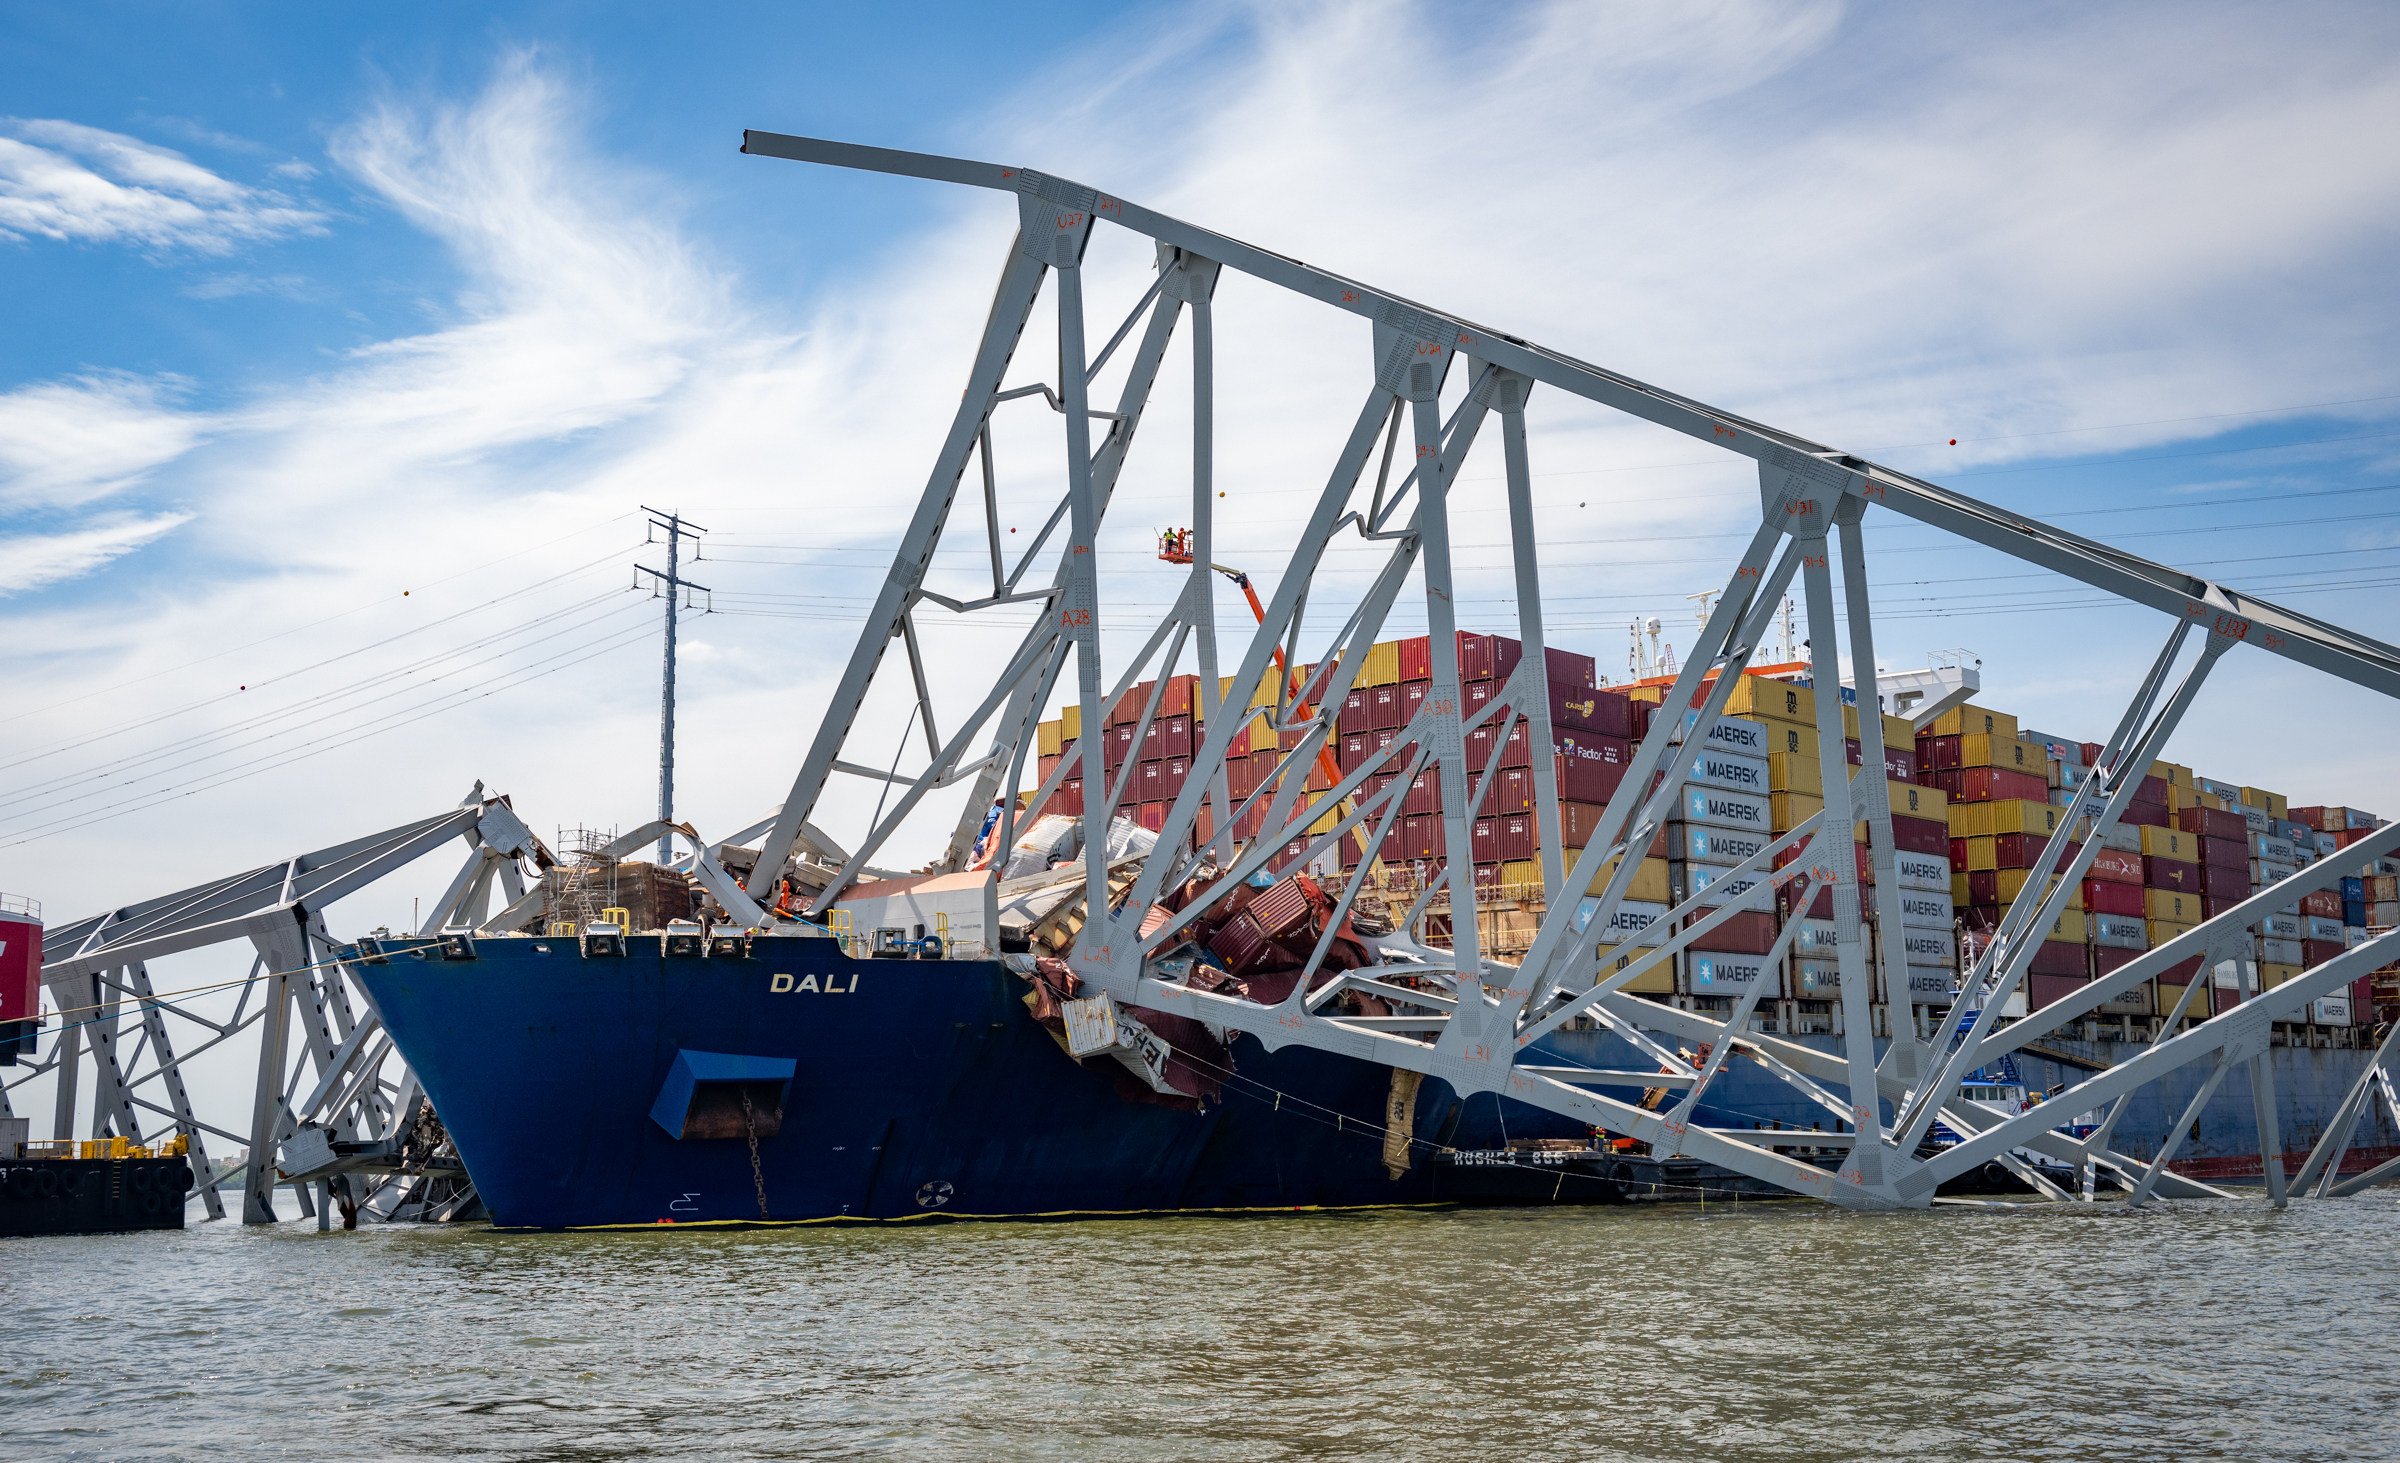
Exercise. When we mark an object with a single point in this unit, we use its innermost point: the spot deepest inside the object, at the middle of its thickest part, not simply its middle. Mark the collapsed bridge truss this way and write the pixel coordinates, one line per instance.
(1473, 1020)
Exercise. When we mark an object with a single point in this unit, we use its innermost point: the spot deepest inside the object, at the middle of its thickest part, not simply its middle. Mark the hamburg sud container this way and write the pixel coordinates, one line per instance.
(20, 977)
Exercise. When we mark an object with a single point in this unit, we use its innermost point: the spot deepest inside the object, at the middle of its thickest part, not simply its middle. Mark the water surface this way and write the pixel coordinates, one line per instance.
(1776, 1331)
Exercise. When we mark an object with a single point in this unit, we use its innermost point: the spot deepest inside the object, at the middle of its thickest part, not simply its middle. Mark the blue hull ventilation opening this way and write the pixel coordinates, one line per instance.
(703, 1096)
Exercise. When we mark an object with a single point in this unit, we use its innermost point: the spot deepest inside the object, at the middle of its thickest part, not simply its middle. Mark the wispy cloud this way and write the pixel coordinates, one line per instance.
(63, 180)
(34, 561)
(67, 443)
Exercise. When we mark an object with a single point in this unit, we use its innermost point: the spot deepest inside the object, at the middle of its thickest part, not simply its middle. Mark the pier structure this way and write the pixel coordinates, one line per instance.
(1431, 386)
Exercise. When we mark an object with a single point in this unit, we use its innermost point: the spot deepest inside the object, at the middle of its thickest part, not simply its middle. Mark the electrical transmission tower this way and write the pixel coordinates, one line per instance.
(672, 587)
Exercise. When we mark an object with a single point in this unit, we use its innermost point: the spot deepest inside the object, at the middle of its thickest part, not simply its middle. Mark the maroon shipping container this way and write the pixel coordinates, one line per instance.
(1119, 749)
(1412, 698)
(1921, 835)
(2213, 823)
(1152, 816)
(1474, 656)
(1579, 823)
(1514, 838)
(1357, 714)
(1416, 658)
(1149, 783)
(1899, 763)
(1154, 740)
(2230, 885)
(2116, 866)
(1486, 836)
(1353, 750)
(2316, 952)
(1610, 713)
(1424, 836)
(1515, 793)
(2153, 815)
(1127, 708)
(1752, 932)
(1068, 800)
(2107, 960)
(2224, 853)
(1937, 754)
(1519, 750)
(1241, 777)
(1182, 697)
(1593, 746)
(2043, 988)
(1586, 779)
(1562, 667)
(1044, 766)
(2324, 904)
(1425, 794)
(1177, 739)
(2019, 850)
(2059, 958)
(1992, 785)
(1820, 907)
(2180, 973)
(1179, 772)
(2167, 873)
(1476, 695)
(2102, 897)
(2152, 793)
(1383, 707)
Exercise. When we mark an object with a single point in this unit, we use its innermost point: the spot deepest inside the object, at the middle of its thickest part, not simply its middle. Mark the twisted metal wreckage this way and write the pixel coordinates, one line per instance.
(1454, 1013)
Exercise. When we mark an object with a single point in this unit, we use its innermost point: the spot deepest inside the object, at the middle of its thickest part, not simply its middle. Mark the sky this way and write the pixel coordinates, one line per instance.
(346, 344)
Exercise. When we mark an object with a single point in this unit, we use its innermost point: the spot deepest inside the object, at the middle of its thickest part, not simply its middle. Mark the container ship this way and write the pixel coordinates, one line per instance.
(622, 1057)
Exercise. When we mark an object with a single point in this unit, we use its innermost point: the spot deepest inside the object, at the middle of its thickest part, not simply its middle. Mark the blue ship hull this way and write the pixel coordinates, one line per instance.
(919, 1089)
(924, 1089)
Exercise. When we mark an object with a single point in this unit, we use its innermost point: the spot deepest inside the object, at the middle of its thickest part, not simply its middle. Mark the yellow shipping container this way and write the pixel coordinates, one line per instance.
(1048, 740)
(1791, 772)
(2174, 774)
(2172, 905)
(1959, 894)
(1789, 810)
(1523, 874)
(1897, 730)
(2012, 883)
(1070, 723)
(1775, 700)
(2073, 926)
(1909, 800)
(2274, 802)
(1658, 980)
(1649, 881)
(2270, 976)
(1973, 720)
(2169, 843)
(2013, 815)
(1982, 857)
(2169, 996)
(1383, 664)
(1793, 740)
(2014, 753)
(2163, 930)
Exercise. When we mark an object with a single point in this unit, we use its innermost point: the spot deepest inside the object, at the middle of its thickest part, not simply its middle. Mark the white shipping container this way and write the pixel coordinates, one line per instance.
(2263, 873)
(2120, 931)
(1732, 734)
(2318, 927)
(1929, 985)
(2327, 845)
(2330, 1010)
(1922, 871)
(2235, 975)
(1929, 947)
(1924, 909)
(2383, 914)
(2271, 849)
(1816, 939)
(2279, 952)
(1720, 808)
(2355, 935)
(2256, 817)
(1744, 891)
(1816, 980)
(2124, 838)
(2280, 927)
(1736, 770)
(1712, 973)
(1627, 922)
(1702, 844)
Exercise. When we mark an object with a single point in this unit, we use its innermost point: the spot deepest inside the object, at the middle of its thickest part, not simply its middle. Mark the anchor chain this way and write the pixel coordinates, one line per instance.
(758, 1176)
